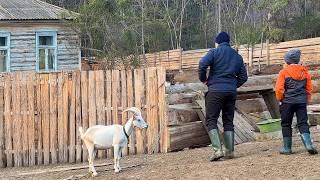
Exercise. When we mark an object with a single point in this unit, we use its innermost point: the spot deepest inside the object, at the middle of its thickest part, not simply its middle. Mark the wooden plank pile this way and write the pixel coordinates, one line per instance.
(187, 129)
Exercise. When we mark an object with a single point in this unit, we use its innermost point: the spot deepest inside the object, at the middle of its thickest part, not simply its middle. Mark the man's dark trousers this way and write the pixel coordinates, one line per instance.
(287, 111)
(217, 102)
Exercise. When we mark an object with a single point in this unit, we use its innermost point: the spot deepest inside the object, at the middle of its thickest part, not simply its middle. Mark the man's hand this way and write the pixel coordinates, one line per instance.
(205, 82)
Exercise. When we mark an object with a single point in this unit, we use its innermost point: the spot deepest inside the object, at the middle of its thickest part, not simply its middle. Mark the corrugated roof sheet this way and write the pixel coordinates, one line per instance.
(32, 10)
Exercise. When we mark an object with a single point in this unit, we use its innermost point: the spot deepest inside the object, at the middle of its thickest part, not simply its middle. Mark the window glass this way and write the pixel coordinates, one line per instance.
(3, 59)
(42, 59)
(45, 40)
(50, 58)
(3, 41)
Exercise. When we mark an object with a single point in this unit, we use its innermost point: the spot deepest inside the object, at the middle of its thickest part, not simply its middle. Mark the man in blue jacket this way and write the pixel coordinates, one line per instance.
(227, 73)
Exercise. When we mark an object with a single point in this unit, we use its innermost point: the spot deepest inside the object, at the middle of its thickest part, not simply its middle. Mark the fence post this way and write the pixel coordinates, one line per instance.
(268, 52)
(250, 56)
(181, 60)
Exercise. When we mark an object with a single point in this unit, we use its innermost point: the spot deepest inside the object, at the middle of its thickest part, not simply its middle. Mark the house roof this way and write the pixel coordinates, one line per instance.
(32, 10)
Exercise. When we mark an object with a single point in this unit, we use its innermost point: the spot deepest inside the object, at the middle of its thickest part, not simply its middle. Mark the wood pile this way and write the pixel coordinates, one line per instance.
(186, 128)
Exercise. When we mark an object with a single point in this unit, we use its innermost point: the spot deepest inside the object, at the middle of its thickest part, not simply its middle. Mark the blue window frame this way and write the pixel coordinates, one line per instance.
(46, 51)
(4, 52)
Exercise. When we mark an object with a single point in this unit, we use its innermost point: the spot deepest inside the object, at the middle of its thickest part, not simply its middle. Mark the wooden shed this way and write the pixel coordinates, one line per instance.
(34, 36)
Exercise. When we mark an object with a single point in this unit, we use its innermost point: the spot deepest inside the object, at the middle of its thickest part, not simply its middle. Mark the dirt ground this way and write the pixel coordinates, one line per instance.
(256, 160)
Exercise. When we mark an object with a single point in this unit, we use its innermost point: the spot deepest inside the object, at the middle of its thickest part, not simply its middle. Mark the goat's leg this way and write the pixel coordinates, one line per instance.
(115, 158)
(119, 157)
(91, 152)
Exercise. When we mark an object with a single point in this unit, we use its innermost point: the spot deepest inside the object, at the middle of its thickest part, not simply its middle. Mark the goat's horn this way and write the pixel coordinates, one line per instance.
(134, 110)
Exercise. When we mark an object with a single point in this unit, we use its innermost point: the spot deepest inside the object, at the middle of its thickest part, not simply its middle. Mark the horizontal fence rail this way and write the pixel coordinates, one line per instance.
(40, 113)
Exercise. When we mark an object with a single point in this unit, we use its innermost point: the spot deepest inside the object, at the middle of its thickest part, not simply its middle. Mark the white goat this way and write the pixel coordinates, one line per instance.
(116, 136)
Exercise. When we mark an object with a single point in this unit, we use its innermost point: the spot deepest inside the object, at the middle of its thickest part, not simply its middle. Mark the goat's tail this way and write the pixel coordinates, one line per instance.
(81, 132)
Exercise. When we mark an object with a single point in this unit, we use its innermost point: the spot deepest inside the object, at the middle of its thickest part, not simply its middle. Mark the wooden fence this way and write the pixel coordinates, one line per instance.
(266, 54)
(40, 113)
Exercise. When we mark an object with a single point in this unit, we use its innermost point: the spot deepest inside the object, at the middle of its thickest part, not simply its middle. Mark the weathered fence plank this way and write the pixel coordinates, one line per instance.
(38, 121)
(115, 97)
(78, 115)
(108, 95)
(60, 117)
(72, 120)
(53, 117)
(100, 103)
(124, 103)
(152, 96)
(16, 108)
(2, 164)
(45, 118)
(163, 133)
(84, 108)
(24, 120)
(138, 93)
(92, 99)
(130, 98)
(65, 116)
(8, 119)
(31, 118)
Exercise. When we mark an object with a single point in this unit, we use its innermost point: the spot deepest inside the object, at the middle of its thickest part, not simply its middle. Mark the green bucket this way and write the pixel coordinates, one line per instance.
(270, 125)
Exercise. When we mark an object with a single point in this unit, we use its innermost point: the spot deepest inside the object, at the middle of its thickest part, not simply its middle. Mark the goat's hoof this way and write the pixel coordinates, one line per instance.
(116, 170)
(94, 174)
(120, 169)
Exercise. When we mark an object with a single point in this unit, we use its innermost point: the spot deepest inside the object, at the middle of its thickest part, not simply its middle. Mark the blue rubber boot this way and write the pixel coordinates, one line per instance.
(287, 144)
(306, 139)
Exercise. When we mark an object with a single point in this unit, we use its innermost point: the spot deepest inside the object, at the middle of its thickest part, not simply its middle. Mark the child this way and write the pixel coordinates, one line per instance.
(293, 90)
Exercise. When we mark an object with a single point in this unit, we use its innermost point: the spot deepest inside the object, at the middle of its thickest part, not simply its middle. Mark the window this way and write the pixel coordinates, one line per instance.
(46, 51)
(4, 52)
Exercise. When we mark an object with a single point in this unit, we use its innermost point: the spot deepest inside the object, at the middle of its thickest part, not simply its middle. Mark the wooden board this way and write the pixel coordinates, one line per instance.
(2, 125)
(78, 115)
(72, 117)
(108, 98)
(99, 88)
(65, 116)
(188, 135)
(124, 105)
(152, 97)
(138, 93)
(115, 97)
(60, 117)
(84, 109)
(24, 120)
(31, 118)
(92, 99)
(53, 117)
(45, 118)
(17, 123)
(38, 120)
(163, 129)
(8, 120)
(130, 102)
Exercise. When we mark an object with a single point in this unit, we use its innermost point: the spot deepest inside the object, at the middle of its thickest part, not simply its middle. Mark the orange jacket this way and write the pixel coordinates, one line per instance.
(294, 84)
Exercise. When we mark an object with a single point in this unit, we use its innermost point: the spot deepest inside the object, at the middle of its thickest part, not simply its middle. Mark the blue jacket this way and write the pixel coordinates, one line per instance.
(227, 70)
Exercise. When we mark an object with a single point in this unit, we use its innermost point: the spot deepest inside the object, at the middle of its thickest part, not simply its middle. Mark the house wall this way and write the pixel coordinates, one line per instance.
(23, 45)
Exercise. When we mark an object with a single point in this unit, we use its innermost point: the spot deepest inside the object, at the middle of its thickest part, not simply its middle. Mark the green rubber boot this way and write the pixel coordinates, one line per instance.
(228, 137)
(306, 139)
(287, 144)
(216, 145)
